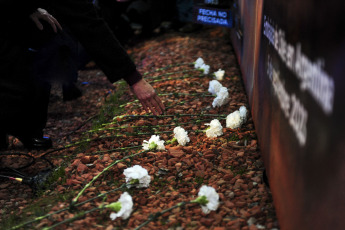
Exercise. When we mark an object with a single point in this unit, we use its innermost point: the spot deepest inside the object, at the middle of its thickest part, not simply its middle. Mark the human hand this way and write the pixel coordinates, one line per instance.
(148, 97)
(44, 15)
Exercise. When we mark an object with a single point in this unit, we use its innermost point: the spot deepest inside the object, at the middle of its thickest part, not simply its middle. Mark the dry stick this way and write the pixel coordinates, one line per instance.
(158, 214)
(99, 174)
(65, 209)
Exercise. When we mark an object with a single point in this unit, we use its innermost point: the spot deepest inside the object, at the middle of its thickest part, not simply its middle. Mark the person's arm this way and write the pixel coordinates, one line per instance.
(97, 38)
(81, 17)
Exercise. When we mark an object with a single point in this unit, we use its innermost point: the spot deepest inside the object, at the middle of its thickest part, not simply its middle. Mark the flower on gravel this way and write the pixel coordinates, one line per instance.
(198, 63)
(205, 68)
(214, 87)
(137, 176)
(233, 120)
(219, 74)
(208, 198)
(215, 129)
(222, 97)
(123, 207)
(181, 136)
(154, 143)
(243, 113)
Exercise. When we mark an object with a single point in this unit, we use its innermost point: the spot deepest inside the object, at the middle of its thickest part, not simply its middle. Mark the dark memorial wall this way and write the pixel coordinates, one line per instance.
(292, 56)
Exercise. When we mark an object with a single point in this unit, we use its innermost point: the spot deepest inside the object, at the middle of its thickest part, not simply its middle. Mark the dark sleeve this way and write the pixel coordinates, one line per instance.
(81, 17)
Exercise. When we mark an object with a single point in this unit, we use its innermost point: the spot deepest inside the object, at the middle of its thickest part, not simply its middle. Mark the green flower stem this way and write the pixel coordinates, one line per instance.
(99, 174)
(185, 94)
(153, 217)
(117, 149)
(129, 117)
(202, 200)
(104, 151)
(171, 94)
(168, 67)
(68, 208)
(172, 73)
(116, 206)
(141, 127)
(113, 136)
(176, 78)
(163, 116)
(77, 216)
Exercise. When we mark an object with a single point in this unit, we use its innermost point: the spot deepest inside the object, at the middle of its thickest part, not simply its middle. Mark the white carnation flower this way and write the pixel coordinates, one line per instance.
(219, 74)
(222, 97)
(214, 86)
(154, 143)
(198, 63)
(215, 129)
(126, 206)
(137, 176)
(233, 120)
(205, 68)
(212, 199)
(181, 136)
(243, 113)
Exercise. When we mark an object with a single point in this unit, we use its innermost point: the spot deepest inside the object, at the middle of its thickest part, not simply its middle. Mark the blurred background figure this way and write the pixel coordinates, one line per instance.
(184, 10)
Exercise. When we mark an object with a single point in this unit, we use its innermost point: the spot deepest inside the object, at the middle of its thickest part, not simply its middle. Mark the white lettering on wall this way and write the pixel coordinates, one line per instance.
(291, 106)
(312, 75)
(214, 20)
(298, 119)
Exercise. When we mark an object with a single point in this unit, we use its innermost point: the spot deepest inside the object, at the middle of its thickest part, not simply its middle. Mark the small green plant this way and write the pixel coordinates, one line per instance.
(234, 137)
(238, 170)
(199, 180)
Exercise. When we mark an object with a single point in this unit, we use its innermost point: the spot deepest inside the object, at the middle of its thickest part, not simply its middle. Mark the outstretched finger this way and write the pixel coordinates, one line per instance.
(155, 108)
(51, 22)
(37, 23)
(160, 103)
(56, 22)
(145, 106)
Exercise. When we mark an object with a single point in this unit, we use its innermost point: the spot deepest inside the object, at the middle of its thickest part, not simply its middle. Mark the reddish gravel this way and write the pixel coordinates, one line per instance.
(230, 163)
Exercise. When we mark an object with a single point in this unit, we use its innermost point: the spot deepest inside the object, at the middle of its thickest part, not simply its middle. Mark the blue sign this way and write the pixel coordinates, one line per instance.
(212, 16)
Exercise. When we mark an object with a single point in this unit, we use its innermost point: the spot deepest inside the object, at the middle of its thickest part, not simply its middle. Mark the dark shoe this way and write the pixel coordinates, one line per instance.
(37, 143)
(3, 141)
